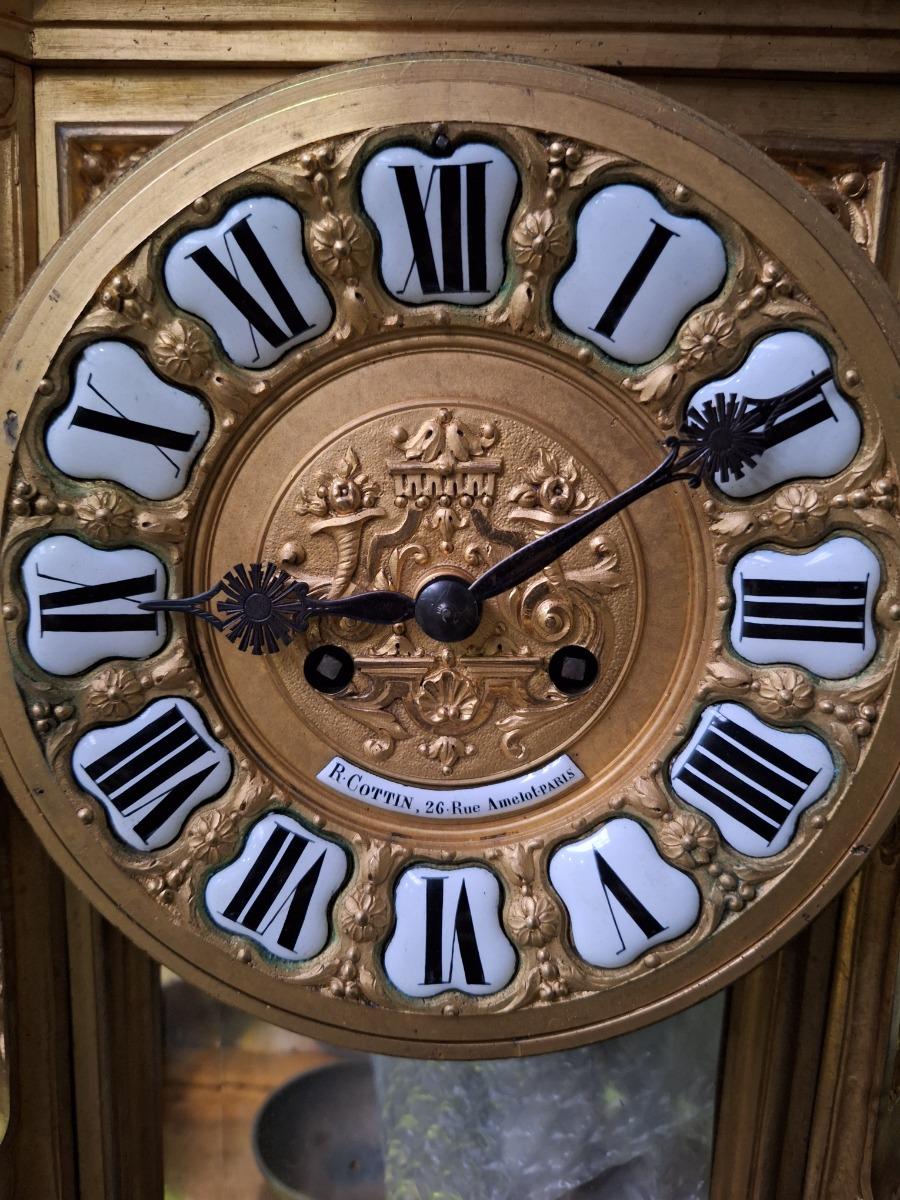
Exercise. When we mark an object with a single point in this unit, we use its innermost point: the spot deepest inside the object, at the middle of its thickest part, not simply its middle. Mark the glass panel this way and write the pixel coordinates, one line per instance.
(628, 1119)
(886, 1158)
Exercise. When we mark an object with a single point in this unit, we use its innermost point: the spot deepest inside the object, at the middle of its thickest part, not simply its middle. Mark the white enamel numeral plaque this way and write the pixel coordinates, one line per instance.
(448, 933)
(441, 220)
(279, 889)
(811, 609)
(638, 271)
(151, 772)
(621, 895)
(84, 604)
(122, 422)
(247, 276)
(816, 433)
(752, 779)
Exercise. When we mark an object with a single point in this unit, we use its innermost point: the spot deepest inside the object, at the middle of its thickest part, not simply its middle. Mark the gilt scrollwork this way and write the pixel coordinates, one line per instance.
(446, 473)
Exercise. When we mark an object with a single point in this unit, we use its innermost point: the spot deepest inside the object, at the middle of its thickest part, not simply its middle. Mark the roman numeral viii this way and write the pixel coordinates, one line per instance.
(804, 610)
(746, 777)
(463, 259)
(151, 775)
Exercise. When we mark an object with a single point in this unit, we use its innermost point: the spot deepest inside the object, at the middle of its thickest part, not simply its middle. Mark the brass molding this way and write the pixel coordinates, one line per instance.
(773, 38)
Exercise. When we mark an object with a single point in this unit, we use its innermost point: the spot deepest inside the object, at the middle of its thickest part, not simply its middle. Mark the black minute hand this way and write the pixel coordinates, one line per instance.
(523, 563)
(730, 434)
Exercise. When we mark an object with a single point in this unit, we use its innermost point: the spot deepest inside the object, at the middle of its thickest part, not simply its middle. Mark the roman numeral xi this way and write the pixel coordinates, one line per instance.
(229, 284)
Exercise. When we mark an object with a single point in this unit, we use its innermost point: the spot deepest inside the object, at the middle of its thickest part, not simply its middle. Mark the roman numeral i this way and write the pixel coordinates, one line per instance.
(634, 279)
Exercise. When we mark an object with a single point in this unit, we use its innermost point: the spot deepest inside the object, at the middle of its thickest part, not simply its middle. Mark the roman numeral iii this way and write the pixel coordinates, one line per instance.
(813, 609)
(150, 773)
(751, 779)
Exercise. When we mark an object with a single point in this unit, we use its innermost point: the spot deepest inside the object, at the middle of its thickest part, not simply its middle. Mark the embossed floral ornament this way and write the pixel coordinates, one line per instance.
(704, 335)
(537, 236)
(363, 915)
(447, 697)
(105, 515)
(785, 693)
(533, 920)
(550, 485)
(688, 839)
(797, 505)
(335, 245)
(211, 834)
(340, 493)
(113, 694)
(182, 351)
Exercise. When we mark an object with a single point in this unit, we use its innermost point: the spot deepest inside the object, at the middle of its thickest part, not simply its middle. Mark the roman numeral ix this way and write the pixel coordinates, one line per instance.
(454, 257)
(463, 936)
(229, 284)
(804, 611)
(116, 424)
(746, 777)
(53, 621)
(138, 775)
(261, 899)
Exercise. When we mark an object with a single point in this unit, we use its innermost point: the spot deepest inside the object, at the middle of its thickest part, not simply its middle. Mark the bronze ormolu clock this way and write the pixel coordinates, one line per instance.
(450, 565)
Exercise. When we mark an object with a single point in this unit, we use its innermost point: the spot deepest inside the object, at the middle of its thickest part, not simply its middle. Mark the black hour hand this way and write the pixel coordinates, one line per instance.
(263, 607)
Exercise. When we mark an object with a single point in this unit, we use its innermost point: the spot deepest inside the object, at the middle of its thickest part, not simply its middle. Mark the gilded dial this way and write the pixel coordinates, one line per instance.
(450, 569)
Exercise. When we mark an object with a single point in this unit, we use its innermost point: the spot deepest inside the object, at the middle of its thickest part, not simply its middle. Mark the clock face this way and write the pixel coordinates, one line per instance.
(525, 471)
